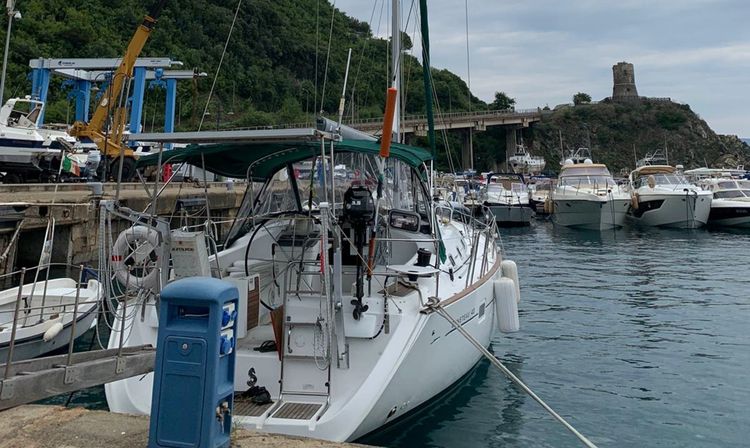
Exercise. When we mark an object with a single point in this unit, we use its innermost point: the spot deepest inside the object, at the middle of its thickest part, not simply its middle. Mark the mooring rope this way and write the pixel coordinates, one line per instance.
(496, 362)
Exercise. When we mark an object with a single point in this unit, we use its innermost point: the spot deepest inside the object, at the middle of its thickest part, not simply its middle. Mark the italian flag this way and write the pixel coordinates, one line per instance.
(70, 166)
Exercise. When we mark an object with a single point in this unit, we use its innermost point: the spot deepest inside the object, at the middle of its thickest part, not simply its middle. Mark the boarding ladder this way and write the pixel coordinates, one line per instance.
(307, 333)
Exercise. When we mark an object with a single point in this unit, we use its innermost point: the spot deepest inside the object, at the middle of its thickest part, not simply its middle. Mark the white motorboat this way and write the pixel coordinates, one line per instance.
(27, 150)
(507, 197)
(730, 206)
(661, 196)
(587, 197)
(521, 162)
(45, 314)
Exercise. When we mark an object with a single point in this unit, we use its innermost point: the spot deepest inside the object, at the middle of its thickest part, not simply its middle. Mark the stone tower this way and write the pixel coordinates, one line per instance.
(624, 82)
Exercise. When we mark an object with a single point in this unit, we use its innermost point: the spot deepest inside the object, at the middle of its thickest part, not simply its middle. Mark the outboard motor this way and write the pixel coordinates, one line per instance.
(92, 163)
(359, 212)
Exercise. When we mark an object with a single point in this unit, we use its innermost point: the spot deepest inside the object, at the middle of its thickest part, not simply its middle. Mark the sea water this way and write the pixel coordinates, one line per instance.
(638, 337)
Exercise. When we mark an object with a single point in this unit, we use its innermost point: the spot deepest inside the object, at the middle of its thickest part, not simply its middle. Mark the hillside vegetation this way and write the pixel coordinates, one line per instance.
(275, 72)
(269, 73)
(619, 133)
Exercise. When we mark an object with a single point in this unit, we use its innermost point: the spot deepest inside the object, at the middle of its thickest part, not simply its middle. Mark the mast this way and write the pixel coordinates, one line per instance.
(426, 75)
(396, 65)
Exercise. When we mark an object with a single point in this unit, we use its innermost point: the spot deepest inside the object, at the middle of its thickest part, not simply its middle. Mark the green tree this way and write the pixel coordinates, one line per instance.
(581, 98)
(503, 102)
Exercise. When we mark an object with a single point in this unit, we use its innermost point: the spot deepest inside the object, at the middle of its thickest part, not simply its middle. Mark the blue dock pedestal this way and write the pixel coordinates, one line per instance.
(194, 371)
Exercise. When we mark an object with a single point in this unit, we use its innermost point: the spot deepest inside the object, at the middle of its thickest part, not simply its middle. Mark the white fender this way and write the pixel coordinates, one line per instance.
(510, 270)
(506, 305)
(137, 243)
(52, 331)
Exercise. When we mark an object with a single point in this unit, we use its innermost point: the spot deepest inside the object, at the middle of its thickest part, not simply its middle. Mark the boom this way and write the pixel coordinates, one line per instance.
(110, 143)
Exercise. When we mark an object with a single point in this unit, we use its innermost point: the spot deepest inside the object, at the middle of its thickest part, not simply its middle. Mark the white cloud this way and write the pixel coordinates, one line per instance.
(542, 52)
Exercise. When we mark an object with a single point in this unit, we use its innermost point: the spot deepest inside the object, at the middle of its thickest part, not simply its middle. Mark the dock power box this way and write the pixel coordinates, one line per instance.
(193, 390)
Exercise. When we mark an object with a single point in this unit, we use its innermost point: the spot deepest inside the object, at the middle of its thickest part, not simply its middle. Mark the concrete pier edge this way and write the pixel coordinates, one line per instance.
(41, 426)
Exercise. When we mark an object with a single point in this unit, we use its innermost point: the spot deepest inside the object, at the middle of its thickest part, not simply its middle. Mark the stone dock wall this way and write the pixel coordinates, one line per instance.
(75, 208)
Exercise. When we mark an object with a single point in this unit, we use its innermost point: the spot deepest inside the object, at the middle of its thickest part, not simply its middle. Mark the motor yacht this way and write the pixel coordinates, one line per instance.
(587, 197)
(662, 196)
(730, 206)
(506, 195)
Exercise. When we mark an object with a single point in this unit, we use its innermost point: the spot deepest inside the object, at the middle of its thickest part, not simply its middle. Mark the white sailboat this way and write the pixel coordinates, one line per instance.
(339, 277)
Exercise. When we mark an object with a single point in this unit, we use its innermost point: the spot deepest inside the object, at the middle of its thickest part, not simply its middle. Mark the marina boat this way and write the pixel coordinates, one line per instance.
(521, 162)
(539, 190)
(348, 284)
(662, 196)
(337, 321)
(587, 197)
(730, 206)
(27, 150)
(43, 315)
(507, 198)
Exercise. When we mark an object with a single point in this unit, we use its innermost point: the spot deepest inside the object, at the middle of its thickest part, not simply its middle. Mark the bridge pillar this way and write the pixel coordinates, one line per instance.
(467, 149)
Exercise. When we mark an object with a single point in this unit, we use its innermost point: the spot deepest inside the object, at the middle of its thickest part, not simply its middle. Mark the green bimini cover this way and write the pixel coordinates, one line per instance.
(234, 158)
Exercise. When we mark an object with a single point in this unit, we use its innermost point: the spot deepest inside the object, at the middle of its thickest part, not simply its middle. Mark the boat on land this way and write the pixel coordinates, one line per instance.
(662, 196)
(28, 151)
(587, 197)
(506, 195)
(522, 162)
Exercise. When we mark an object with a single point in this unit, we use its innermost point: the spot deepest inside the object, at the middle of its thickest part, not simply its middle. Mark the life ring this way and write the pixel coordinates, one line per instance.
(135, 256)
(634, 201)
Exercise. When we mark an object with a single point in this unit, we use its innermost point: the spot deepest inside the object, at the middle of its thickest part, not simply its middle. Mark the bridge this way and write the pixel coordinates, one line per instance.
(467, 122)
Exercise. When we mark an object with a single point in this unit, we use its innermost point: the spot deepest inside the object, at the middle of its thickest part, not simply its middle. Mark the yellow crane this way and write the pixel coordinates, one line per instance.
(109, 139)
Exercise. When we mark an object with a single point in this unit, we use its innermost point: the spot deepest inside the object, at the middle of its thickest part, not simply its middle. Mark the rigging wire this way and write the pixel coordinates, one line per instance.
(377, 33)
(361, 58)
(221, 61)
(468, 60)
(328, 57)
(317, 51)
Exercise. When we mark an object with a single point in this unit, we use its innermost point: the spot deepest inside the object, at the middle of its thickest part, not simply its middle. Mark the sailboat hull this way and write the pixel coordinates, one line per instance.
(423, 356)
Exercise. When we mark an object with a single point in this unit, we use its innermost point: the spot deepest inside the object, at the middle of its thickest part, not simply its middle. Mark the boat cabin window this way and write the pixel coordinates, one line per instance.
(730, 194)
(302, 186)
(21, 117)
(663, 179)
(597, 181)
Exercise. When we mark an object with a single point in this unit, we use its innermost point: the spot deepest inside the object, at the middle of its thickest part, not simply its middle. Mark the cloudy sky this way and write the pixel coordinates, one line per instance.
(541, 52)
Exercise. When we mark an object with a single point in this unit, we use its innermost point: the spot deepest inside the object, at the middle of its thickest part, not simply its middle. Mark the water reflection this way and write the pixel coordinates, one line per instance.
(425, 426)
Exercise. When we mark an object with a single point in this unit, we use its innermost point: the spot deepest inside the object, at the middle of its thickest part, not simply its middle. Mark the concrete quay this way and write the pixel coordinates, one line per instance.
(75, 208)
(39, 426)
